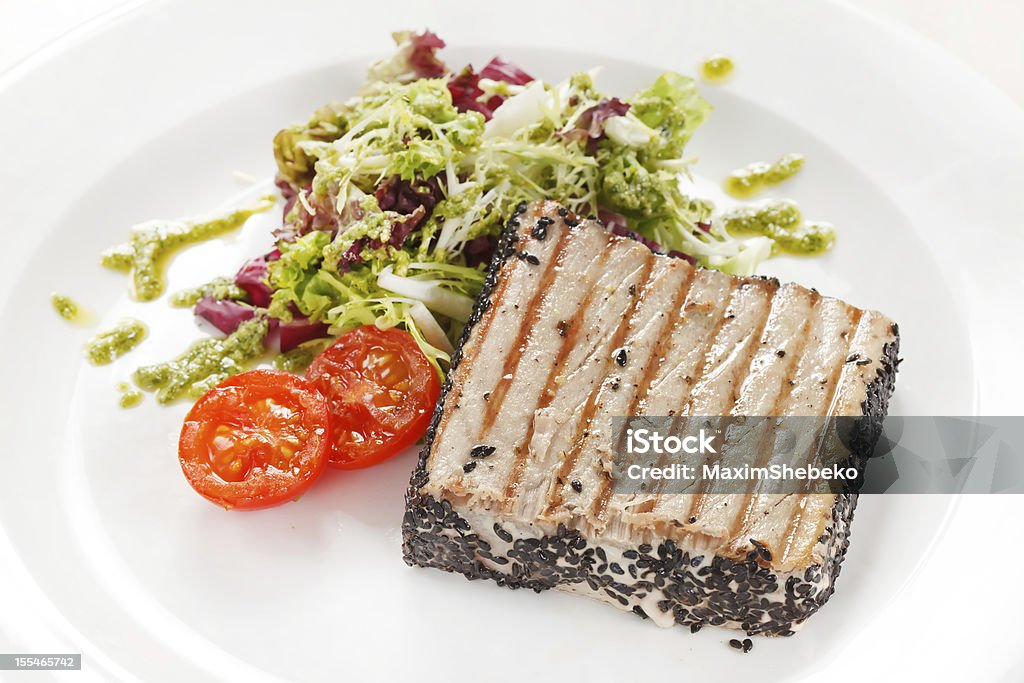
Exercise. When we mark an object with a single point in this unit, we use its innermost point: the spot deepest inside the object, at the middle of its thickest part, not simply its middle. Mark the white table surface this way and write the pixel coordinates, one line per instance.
(983, 33)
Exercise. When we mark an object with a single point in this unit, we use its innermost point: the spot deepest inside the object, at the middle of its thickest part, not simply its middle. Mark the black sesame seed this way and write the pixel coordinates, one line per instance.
(733, 642)
(482, 451)
(748, 645)
(576, 485)
(539, 231)
(502, 534)
(780, 353)
(469, 467)
(620, 357)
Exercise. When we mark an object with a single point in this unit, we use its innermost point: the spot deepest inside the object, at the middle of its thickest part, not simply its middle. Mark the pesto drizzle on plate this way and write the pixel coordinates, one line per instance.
(108, 346)
(716, 69)
(130, 396)
(784, 224)
(151, 244)
(70, 310)
(207, 363)
(754, 177)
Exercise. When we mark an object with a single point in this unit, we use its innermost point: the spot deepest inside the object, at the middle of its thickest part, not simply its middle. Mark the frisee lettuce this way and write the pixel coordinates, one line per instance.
(396, 197)
(567, 142)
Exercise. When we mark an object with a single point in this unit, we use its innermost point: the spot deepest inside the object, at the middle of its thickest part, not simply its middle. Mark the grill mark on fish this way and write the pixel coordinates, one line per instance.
(743, 370)
(796, 516)
(590, 407)
(515, 353)
(768, 442)
(676, 418)
(739, 374)
(465, 368)
(661, 347)
(568, 341)
(734, 289)
(646, 377)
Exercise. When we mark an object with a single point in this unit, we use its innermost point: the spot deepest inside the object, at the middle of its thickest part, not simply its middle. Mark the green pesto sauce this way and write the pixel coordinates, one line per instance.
(69, 309)
(298, 359)
(106, 347)
(218, 288)
(130, 396)
(752, 179)
(783, 223)
(152, 244)
(716, 69)
(205, 365)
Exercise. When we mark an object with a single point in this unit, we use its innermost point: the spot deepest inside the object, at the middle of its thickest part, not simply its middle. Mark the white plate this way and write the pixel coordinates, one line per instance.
(105, 550)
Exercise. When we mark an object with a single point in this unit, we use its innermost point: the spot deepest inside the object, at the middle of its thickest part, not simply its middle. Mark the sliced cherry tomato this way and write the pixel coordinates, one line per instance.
(255, 440)
(381, 390)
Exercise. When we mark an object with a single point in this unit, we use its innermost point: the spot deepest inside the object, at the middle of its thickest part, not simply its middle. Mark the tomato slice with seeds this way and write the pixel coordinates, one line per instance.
(381, 390)
(255, 440)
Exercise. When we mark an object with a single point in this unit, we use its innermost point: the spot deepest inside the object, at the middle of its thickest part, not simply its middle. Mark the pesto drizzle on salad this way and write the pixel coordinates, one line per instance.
(754, 177)
(205, 365)
(716, 69)
(220, 288)
(298, 359)
(783, 223)
(151, 244)
(106, 347)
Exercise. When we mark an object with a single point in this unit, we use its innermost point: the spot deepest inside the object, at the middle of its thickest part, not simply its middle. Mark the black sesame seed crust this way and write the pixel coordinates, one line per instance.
(696, 590)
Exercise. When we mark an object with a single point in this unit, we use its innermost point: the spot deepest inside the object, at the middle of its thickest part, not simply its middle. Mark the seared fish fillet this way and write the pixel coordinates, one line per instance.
(576, 325)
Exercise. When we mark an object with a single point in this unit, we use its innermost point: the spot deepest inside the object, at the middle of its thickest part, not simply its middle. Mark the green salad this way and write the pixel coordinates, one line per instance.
(394, 200)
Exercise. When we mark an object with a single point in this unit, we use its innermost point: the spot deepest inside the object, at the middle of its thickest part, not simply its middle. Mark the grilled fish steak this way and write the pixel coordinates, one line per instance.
(576, 325)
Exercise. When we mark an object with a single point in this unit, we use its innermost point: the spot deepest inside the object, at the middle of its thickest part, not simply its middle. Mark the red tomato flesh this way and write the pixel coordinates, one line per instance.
(255, 440)
(381, 390)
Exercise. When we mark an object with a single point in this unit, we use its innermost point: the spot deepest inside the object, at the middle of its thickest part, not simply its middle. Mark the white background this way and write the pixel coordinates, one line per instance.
(983, 33)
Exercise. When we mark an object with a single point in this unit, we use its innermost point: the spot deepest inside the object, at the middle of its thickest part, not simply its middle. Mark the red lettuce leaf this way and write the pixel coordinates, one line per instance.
(404, 196)
(480, 250)
(300, 330)
(252, 279)
(465, 86)
(590, 124)
(224, 314)
(616, 223)
(499, 69)
(423, 59)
